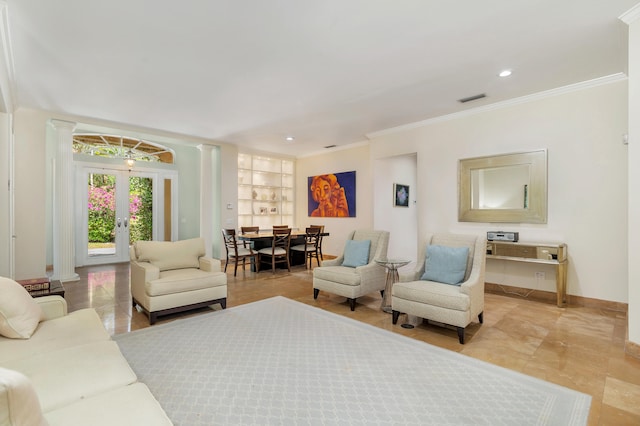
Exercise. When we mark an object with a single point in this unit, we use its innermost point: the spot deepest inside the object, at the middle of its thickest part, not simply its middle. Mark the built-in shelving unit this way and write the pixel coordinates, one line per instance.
(265, 191)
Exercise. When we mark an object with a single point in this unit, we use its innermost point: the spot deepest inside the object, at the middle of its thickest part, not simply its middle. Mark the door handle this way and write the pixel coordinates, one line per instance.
(126, 222)
(119, 223)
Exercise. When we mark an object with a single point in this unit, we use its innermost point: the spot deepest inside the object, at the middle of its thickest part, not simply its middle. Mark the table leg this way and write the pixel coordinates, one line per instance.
(392, 278)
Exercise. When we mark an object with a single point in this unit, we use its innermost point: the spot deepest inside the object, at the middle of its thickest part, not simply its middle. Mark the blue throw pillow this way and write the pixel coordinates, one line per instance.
(356, 253)
(446, 264)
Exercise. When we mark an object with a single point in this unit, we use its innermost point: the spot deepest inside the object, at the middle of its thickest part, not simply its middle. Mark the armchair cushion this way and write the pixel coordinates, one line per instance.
(356, 253)
(19, 313)
(446, 264)
(167, 255)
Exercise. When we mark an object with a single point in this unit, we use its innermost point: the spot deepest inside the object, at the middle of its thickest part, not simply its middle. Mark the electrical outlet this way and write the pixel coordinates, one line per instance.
(539, 275)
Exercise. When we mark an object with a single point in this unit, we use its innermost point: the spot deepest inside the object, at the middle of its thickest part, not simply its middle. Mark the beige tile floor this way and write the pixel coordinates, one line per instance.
(577, 347)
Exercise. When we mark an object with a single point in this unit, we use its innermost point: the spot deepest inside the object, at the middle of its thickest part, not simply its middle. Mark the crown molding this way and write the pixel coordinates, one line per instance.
(630, 15)
(504, 104)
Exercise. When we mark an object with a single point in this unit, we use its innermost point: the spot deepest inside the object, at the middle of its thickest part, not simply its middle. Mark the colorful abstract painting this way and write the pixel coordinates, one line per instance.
(332, 195)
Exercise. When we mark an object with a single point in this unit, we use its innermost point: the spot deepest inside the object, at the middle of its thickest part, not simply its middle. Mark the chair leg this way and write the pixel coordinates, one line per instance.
(461, 335)
(394, 316)
(382, 293)
(235, 268)
(315, 293)
(352, 304)
(223, 303)
(152, 318)
(226, 263)
(481, 317)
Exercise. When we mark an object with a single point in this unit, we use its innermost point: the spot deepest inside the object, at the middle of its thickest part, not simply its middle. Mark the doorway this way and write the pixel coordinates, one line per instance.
(117, 208)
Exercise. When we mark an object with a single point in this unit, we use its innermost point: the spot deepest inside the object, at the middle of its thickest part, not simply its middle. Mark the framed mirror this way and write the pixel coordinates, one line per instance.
(510, 188)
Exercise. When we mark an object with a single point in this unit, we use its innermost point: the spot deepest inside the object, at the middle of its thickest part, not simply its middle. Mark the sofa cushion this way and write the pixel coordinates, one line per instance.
(19, 403)
(356, 253)
(338, 274)
(75, 329)
(167, 255)
(68, 375)
(19, 313)
(128, 405)
(433, 293)
(182, 280)
(445, 264)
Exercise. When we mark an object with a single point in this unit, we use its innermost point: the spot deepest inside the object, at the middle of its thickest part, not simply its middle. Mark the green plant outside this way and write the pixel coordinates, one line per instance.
(101, 209)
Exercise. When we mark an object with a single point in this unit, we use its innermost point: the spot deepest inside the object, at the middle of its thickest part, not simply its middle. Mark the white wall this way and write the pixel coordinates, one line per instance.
(5, 228)
(587, 174)
(634, 182)
(336, 161)
(401, 222)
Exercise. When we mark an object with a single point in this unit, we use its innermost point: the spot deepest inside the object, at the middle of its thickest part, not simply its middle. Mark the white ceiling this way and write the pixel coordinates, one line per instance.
(327, 72)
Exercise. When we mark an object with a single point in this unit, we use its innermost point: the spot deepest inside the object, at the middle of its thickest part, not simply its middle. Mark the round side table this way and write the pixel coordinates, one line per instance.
(392, 266)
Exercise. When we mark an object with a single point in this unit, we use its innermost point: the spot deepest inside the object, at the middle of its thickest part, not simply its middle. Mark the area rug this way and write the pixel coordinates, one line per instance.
(278, 361)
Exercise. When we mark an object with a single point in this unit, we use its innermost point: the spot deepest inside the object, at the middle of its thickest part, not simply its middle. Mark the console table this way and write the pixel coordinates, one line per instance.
(550, 254)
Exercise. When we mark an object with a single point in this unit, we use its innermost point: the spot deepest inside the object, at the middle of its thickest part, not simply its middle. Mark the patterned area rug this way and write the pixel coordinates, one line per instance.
(278, 361)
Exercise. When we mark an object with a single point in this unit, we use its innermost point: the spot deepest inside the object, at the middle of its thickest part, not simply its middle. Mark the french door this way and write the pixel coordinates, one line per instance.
(117, 208)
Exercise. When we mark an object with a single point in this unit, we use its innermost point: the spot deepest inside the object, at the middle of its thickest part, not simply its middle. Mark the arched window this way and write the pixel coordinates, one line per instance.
(111, 146)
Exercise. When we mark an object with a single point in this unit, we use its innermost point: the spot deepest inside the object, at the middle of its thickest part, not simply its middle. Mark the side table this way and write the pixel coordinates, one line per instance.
(392, 266)
(55, 289)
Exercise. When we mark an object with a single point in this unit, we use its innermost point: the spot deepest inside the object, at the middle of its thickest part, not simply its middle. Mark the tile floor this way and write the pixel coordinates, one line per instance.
(577, 347)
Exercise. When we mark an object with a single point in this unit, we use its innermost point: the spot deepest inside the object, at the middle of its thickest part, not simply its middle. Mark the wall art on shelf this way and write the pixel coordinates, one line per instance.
(400, 195)
(332, 195)
(263, 210)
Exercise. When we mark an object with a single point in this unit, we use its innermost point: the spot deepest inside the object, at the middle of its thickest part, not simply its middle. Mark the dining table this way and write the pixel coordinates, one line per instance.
(263, 239)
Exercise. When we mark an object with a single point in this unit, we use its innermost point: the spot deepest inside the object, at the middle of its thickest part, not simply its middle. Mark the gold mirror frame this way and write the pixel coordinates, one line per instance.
(536, 211)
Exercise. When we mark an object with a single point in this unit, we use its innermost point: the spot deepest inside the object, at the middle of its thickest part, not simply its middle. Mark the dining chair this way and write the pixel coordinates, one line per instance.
(280, 226)
(279, 250)
(321, 237)
(310, 246)
(235, 252)
(249, 230)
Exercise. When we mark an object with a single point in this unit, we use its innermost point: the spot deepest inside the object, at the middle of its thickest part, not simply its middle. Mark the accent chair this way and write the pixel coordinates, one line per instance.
(355, 273)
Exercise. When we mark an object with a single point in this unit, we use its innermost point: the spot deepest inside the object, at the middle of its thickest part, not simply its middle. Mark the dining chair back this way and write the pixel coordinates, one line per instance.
(321, 237)
(310, 246)
(236, 253)
(279, 250)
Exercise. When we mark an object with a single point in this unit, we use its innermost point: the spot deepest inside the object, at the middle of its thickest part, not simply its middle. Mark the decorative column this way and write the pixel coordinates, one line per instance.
(206, 197)
(64, 254)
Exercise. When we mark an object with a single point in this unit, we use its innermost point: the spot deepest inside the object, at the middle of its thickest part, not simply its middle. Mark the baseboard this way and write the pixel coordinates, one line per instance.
(550, 297)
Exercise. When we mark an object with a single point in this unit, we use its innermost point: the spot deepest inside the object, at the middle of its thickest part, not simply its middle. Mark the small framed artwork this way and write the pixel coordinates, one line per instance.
(263, 210)
(273, 210)
(400, 195)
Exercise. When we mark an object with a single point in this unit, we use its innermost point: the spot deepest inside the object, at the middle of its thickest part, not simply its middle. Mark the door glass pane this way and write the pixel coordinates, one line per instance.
(101, 214)
(140, 209)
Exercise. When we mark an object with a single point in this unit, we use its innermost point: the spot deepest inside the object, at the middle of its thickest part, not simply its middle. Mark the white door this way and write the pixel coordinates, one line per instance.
(117, 208)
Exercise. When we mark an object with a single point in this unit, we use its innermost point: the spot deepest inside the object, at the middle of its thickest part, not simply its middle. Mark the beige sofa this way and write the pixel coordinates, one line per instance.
(64, 369)
(169, 277)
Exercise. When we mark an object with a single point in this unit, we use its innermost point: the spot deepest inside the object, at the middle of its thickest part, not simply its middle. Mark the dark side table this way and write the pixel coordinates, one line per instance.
(55, 289)
(392, 266)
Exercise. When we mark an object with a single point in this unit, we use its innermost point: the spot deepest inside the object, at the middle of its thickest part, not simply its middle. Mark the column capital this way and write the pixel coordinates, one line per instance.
(206, 148)
(62, 124)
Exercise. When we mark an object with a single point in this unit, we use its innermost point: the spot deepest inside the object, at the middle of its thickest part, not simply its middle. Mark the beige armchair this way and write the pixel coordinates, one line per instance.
(452, 304)
(169, 277)
(351, 282)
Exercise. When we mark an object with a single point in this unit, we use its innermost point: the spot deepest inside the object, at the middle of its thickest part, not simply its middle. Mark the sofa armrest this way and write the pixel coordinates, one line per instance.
(209, 264)
(407, 277)
(332, 262)
(52, 306)
(141, 272)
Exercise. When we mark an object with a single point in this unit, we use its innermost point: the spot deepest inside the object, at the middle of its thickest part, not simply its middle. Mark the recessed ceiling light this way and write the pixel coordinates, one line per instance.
(505, 73)
(289, 138)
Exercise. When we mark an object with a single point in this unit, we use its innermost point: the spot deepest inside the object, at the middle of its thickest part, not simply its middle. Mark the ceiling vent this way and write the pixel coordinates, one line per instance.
(472, 98)
(330, 146)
